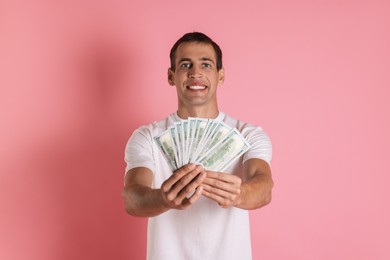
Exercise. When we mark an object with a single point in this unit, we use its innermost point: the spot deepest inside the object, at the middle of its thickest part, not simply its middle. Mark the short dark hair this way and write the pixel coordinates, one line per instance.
(196, 37)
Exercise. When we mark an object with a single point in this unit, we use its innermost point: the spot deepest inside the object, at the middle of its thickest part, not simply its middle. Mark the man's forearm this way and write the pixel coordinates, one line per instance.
(256, 192)
(143, 201)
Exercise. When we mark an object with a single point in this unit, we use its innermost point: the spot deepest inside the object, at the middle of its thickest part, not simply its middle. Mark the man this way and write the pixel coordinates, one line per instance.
(194, 213)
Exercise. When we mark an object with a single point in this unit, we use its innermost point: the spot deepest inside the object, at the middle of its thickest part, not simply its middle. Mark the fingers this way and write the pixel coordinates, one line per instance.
(223, 188)
(188, 183)
(183, 183)
(216, 192)
(218, 182)
(196, 195)
(177, 175)
(185, 188)
(222, 201)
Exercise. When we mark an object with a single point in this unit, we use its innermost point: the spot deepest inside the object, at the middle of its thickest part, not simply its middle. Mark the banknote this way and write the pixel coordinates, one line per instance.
(224, 152)
(176, 146)
(166, 145)
(200, 127)
(219, 130)
(207, 142)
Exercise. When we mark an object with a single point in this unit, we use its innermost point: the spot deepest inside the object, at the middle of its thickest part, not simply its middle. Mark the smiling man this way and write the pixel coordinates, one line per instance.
(195, 213)
(195, 74)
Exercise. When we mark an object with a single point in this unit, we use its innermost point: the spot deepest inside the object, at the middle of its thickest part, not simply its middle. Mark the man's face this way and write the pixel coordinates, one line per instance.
(196, 76)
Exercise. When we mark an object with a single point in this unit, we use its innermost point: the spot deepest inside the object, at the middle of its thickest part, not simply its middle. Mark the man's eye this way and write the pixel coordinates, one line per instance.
(206, 65)
(185, 65)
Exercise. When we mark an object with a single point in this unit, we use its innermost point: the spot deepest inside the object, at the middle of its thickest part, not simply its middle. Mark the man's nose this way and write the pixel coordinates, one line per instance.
(195, 72)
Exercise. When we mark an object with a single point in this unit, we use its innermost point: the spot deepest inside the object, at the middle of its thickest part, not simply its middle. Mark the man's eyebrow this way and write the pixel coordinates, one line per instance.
(202, 59)
(184, 59)
(207, 59)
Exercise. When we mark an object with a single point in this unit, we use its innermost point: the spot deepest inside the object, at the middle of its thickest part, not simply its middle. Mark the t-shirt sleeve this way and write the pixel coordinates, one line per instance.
(139, 152)
(261, 146)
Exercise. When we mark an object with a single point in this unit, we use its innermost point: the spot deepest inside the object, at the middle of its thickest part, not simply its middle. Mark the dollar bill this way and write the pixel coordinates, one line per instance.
(200, 125)
(175, 141)
(191, 134)
(219, 130)
(210, 127)
(222, 154)
(208, 142)
(185, 130)
(165, 143)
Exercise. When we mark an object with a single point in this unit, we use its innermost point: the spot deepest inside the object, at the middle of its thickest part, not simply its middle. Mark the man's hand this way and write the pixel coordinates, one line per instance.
(182, 184)
(175, 193)
(223, 188)
(228, 190)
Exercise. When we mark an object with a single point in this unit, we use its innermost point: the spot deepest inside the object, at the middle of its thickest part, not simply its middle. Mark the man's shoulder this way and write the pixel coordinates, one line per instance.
(239, 124)
(156, 126)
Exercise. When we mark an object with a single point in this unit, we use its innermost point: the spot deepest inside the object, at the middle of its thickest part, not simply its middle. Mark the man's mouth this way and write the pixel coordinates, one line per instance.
(196, 87)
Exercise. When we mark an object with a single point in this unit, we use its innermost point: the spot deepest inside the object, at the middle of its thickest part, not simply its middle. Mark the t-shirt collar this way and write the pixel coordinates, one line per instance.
(176, 118)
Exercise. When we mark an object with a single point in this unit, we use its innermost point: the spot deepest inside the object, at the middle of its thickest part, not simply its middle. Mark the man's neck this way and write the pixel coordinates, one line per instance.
(184, 113)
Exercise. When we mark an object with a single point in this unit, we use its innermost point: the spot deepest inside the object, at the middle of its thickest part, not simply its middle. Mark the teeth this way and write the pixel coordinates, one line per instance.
(197, 87)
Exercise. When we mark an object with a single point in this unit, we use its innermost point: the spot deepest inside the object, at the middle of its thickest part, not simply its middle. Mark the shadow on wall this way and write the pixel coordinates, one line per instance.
(73, 188)
(98, 227)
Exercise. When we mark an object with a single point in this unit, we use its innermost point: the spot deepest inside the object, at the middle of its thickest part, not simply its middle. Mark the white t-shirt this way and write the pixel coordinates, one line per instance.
(204, 230)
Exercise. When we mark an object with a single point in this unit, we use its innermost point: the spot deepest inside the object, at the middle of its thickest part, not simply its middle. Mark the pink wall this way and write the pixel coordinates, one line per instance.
(78, 77)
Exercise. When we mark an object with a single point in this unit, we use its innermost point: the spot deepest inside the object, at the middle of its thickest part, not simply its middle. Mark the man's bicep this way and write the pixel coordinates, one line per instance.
(139, 176)
(254, 166)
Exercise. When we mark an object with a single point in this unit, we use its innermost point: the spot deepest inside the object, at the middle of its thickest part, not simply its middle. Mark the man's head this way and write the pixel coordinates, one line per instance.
(199, 38)
(196, 72)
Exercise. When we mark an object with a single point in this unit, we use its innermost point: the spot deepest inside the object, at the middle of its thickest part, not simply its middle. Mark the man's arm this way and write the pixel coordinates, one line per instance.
(254, 191)
(143, 201)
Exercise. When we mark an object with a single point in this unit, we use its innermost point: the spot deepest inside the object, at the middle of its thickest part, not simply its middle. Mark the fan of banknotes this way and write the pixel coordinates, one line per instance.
(207, 142)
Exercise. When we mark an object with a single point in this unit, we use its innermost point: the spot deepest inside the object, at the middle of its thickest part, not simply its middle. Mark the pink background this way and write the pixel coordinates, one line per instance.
(77, 77)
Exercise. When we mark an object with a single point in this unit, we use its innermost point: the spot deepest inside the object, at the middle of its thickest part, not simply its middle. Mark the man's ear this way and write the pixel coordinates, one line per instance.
(221, 76)
(171, 79)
